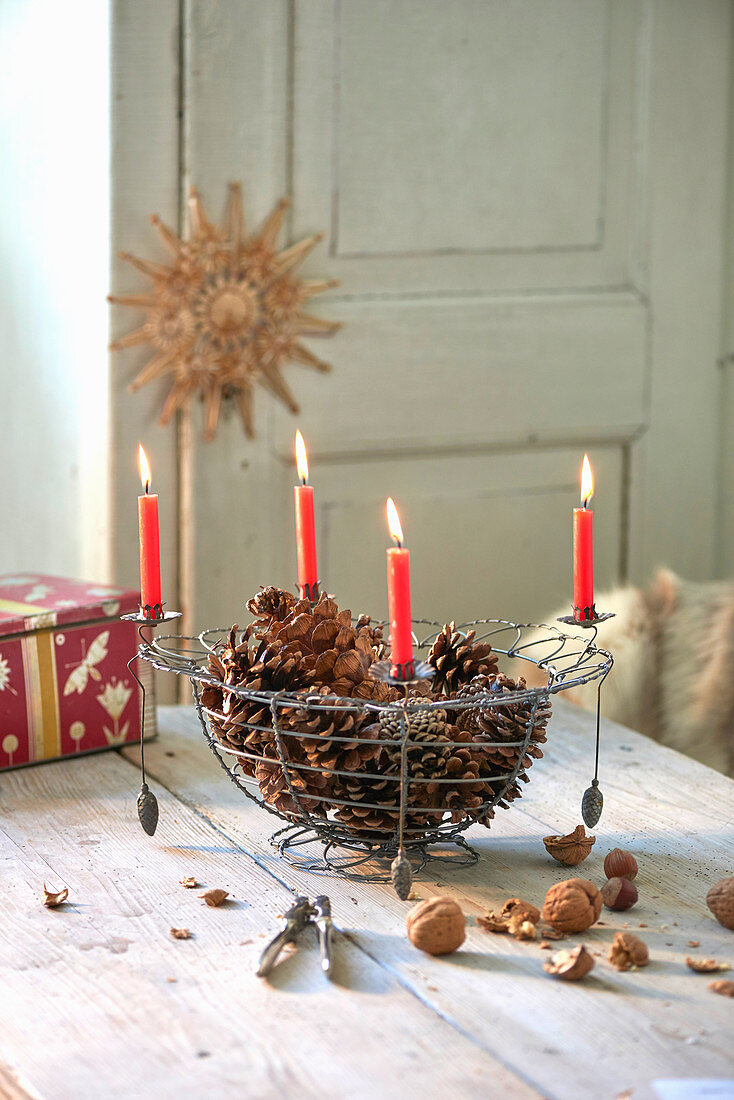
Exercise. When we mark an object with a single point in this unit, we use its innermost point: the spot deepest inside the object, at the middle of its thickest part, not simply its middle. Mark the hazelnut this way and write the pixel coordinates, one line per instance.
(436, 926)
(570, 965)
(572, 905)
(571, 849)
(628, 951)
(620, 864)
(523, 910)
(720, 900)
(619, 894)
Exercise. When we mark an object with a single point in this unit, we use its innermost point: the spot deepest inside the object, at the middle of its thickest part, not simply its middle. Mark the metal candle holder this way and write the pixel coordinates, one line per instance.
(150, 617)
(567, 661)
(592, 802)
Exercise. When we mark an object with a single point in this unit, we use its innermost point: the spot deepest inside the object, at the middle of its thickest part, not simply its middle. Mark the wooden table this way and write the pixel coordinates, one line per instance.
(99, 1000)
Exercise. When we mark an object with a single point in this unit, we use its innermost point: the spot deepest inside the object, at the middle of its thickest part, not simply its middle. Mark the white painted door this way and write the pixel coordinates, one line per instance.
(523, 203)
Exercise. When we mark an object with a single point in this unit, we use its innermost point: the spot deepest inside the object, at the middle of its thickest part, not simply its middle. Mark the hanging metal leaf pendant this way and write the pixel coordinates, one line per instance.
(592, 804)
(401, 875)
(148, 809)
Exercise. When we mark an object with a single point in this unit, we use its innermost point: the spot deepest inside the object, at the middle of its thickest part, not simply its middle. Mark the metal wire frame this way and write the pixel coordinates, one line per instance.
(567, 660)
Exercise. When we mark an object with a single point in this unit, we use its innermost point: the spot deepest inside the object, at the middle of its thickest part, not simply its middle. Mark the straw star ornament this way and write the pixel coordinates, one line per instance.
(227, 315)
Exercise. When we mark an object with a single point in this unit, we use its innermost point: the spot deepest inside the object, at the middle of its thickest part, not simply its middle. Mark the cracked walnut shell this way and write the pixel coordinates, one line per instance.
(570, 965)
(720, 900)
(436, 926)
(628, 952)
(572, 905)
(571, 849)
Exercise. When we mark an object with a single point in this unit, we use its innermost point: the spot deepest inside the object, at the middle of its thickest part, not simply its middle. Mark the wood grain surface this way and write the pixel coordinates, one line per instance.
(100, 1000)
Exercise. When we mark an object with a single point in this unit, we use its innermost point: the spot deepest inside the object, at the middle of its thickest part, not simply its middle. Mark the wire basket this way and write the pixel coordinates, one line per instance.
(372, 812)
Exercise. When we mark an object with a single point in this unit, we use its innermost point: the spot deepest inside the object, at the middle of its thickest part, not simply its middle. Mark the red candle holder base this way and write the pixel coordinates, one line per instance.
(408, 673)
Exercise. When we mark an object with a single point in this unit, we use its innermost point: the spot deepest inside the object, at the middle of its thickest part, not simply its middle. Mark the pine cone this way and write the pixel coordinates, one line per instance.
(332, 739)
(457, 659)
(501, 723)
(270, 603)
(306, 785)
(429, 745)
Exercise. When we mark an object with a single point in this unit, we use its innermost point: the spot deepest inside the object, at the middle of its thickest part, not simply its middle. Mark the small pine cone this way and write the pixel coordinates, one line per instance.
(429, 746)
(470, 792)
(457, 659)
(270, 604)
(376, 690)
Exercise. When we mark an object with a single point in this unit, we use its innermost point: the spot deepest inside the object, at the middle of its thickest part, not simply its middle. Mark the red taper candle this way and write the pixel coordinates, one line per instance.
(583, 547)
(150, 553)
(398, 593)
(305, 526)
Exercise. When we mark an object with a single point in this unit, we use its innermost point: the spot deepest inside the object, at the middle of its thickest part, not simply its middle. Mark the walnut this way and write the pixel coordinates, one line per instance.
(620, 864)
(726, 989)
(214, 897)
(493, 922)
(628, 952)
(436, 926)
(570, 965)
(189, 882)
(619, 894)
(572, 905)
(514, 907)
(720, 900)
(571, 849)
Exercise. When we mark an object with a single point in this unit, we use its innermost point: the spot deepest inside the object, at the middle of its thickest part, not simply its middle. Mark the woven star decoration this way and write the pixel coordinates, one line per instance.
(227, 314)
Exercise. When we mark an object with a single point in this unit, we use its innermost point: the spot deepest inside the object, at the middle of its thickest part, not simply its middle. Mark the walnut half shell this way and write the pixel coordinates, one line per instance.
(570, 965)
(571, 849)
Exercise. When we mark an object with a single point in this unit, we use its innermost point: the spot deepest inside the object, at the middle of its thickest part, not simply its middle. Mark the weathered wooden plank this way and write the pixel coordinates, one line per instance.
(99, 999)
(675, 814)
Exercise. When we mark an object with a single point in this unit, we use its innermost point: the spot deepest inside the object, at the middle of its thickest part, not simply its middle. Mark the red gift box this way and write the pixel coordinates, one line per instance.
(65, 688)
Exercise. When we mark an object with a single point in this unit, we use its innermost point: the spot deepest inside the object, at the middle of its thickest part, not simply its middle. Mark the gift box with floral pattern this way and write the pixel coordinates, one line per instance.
(65, 688)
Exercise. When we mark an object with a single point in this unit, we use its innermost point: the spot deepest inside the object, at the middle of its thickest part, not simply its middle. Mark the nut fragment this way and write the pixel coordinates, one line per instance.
(619, 894)
(620, 864)
(725, 988)
(705, 966)
(628, 952)
(214, 897)
(436, 926)
(492, 922)
(521, 929)
(515, 907)
(180, 933)
(51, 900)
(571, 964)
(572, 905)
(720, 900)
(189, 882)
(571, 849)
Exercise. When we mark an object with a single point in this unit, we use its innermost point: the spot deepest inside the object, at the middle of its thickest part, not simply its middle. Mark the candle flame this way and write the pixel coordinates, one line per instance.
(301, 458)
(393, 522)
(587, 482)
(144, 468)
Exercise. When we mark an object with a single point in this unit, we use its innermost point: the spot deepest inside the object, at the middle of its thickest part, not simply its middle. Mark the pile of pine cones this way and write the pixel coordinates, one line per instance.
(343, 760)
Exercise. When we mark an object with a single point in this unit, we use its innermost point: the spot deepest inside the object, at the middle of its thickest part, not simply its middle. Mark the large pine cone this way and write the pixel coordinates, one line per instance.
(307, 785)
(333, 739)
(375, 804)
(457, 659)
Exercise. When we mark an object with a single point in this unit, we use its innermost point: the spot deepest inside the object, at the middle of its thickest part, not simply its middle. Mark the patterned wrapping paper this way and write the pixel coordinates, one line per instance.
(65, 688)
